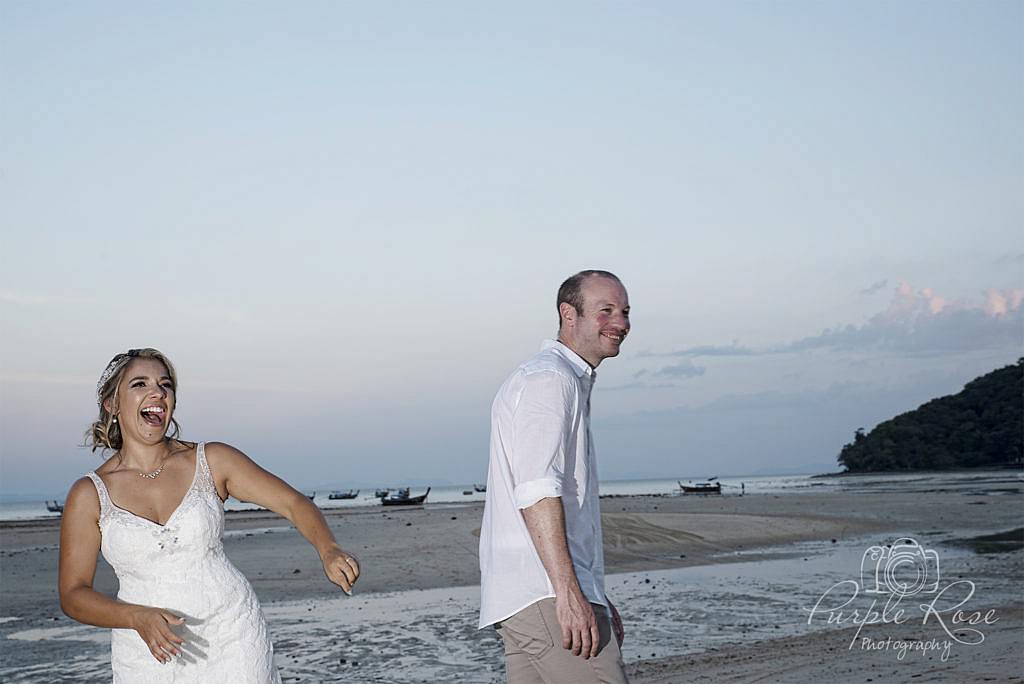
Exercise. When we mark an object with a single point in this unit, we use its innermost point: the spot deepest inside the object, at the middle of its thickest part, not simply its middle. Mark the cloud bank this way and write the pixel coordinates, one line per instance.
(916, 322)
(682, 370)
(875, 287)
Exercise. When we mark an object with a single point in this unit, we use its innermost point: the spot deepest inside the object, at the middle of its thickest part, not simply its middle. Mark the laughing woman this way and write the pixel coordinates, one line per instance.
(155, 508)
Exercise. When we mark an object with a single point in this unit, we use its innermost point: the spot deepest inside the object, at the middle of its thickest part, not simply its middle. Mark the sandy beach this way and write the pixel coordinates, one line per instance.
(711, 589)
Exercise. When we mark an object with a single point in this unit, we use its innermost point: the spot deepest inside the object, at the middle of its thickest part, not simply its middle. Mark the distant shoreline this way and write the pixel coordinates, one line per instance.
(921, 471)
(32, 512)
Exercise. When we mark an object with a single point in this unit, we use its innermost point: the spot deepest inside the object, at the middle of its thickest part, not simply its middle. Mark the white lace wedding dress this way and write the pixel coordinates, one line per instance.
(181, 566)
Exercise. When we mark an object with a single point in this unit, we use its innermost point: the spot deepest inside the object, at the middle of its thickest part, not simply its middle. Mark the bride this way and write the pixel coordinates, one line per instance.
(183, 612)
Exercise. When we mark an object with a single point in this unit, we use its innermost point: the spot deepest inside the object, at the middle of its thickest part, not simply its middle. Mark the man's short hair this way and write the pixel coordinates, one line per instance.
(571, 291)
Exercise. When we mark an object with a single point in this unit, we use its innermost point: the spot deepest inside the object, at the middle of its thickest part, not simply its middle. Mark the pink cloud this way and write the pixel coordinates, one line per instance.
(909, 304)
(1002, 302)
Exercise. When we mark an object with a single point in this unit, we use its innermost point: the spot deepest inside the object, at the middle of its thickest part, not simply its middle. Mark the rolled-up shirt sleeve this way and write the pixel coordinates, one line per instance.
(542, 424)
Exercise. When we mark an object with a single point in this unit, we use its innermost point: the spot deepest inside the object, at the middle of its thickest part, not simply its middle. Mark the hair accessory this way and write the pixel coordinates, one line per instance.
(115, 365)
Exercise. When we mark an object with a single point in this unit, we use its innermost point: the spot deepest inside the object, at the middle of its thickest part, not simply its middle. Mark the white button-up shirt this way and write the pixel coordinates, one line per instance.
(540, 447)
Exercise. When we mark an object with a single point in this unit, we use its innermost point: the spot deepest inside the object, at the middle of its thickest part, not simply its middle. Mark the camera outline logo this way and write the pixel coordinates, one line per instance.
(906, 568)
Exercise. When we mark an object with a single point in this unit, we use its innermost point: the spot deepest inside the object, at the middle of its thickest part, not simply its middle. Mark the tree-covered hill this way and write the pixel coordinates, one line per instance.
(982, 425)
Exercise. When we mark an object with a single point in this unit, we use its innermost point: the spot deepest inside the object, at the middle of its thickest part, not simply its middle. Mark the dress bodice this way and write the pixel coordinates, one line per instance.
(141, 550)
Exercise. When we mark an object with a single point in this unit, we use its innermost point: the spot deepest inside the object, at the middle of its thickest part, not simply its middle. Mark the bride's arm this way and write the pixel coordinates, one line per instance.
(237, 475)
(79, 549)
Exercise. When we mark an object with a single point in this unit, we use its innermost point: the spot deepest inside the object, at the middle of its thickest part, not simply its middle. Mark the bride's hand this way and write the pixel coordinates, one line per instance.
(154, 626)
(341, 567)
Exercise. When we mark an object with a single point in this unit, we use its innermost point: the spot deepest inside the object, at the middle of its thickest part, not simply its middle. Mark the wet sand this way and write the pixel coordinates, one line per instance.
(827, 657)
(433, 548)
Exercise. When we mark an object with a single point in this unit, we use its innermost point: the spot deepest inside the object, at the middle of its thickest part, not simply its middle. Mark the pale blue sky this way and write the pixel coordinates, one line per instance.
(346, 223)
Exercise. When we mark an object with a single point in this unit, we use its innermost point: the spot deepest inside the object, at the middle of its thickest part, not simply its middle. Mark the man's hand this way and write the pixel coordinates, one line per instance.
(617, 628)
(579, 626)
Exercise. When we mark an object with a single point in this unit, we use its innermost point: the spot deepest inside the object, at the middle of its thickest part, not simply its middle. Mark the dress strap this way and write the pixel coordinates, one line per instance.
(204, 478)
(101, 490)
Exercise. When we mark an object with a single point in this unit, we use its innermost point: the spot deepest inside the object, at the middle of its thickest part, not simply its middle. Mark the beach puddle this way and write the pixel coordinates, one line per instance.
(74, 632)
(1002, 542)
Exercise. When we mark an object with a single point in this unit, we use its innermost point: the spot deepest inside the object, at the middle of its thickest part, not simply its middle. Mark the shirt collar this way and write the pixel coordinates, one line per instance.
(581, 367)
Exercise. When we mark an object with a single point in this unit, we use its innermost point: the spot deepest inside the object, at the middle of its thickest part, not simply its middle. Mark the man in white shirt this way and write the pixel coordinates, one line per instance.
(541, 556)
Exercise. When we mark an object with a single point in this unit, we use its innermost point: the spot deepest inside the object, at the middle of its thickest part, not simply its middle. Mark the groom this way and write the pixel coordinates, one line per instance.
(541, 557)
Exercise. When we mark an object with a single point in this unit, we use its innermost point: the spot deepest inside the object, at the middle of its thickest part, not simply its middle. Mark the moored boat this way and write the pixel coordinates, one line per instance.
(350, 494)
(402, 498)
(702, 488)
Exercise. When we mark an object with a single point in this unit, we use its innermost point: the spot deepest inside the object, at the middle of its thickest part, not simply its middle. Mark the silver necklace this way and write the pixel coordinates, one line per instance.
(153, 475)
(156, 473)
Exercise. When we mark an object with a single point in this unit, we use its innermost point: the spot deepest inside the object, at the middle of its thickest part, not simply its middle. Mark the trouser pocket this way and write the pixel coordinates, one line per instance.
(527, 632)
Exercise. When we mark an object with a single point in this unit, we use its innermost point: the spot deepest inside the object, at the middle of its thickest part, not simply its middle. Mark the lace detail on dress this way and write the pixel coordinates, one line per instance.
(101, 491)
(204, 477)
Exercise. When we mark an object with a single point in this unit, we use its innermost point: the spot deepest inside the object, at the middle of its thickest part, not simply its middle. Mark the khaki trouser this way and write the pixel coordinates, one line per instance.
(534, 653)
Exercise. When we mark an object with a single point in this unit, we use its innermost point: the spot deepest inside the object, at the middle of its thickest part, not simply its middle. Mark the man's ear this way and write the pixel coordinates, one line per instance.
(567, 313)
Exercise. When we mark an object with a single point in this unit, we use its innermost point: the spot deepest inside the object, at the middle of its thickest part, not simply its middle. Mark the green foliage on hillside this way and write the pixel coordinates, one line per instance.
(983, 425)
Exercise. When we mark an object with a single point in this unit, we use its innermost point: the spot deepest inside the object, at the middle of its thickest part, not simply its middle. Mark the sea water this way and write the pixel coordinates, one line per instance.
(979, 482)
